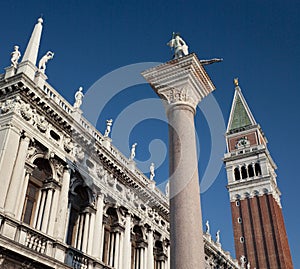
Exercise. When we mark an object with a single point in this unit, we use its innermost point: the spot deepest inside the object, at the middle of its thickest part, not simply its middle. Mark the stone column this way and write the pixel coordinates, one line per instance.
(61, 221)
(121, 249)
(182, 84)
(150, 259)
(97, 238)
(91, 236)
(111, 249)
(9, 144)
(169, 260)
(39, 211)
(117, 250)
(80, 231)
(127, 244)
(53, 213)
(46, 213)
(17, 178)
(86, 226)
(22, 196)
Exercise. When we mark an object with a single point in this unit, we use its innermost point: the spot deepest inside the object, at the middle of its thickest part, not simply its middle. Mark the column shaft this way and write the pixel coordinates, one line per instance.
(187, 248)
(150, 259)
(117, 249)
(80, 231)
(39, 212)
(62, 214)
(53, 212)
(85, 231)
(22, 196)
(111, 250)
(121, 248)
(46, 212)
(91, 236)
(98, 230)
(127, 244)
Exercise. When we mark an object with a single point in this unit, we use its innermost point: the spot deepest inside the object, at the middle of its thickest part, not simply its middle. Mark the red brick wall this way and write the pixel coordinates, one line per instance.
(266, 245)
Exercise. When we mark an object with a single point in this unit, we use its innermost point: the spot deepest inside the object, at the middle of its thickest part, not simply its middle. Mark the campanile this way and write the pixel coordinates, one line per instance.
(259, 231)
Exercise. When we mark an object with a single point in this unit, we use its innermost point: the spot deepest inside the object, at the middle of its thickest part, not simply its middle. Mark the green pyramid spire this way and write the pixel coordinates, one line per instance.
(240, 115)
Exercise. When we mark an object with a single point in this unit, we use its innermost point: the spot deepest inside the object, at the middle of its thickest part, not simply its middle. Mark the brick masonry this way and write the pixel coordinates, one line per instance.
(262, 226)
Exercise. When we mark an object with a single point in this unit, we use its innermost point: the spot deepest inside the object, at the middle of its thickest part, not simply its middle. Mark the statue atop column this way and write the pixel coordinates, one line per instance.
(42, 63)
(132, 152)
(108, 127)
(15, 56)
(152, 174)
(78, 98)
(179, 46)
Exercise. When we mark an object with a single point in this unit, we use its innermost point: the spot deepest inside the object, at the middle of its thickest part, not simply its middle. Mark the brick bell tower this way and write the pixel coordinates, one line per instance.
(259, 232)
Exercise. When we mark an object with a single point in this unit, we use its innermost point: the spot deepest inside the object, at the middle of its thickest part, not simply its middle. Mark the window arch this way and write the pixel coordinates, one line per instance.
(35, 198)
(237, 175)
(250, 170)
(257, 169)
(244, 172)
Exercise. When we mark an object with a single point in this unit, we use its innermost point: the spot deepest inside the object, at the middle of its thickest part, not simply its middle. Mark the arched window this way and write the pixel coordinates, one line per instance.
(137, 248)
(250, 170)
(111, 240)
(257, 169)
(244, 172)
(237, 175)
(35, 199)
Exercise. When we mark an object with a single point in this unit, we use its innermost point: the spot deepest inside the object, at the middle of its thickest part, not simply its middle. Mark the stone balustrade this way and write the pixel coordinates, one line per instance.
(36, 241)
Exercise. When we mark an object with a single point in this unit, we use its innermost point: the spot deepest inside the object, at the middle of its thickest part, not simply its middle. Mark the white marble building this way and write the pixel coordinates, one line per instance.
(68, 197)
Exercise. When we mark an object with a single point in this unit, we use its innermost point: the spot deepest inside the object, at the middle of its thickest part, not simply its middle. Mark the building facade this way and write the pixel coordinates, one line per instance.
(259, 232)
(68, 197)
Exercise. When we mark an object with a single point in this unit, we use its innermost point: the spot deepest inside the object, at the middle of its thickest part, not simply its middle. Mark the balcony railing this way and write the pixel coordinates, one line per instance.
(42, 246)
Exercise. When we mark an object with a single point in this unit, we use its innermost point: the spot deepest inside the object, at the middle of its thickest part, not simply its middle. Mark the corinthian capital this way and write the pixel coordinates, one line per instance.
(180, 81)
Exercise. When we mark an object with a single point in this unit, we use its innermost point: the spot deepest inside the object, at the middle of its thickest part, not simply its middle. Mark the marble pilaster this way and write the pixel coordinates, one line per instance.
(17, 178)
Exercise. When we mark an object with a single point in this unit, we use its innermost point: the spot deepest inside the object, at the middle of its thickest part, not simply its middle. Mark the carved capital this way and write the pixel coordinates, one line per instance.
(180, 81)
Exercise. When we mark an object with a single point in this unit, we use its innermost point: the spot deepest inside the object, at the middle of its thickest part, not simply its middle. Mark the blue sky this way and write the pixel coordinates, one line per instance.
(259, 41)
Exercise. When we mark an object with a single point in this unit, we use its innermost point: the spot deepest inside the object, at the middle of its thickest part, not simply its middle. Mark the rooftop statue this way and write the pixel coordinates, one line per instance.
(167, 189)
(152, 174)
(78, 98)
(108, 127)
(179, 46)
(42, 63)
(207, 227)
(243, 261)
(218, 237)
(132, 152)
(15, 56)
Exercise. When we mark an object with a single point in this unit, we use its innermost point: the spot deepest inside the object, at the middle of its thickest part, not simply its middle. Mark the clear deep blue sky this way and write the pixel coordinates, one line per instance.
(259, 41)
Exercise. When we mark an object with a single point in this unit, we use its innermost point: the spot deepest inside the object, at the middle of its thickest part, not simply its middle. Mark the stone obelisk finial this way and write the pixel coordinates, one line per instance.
(182, 83)
(32, 49)
(28, 64)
